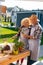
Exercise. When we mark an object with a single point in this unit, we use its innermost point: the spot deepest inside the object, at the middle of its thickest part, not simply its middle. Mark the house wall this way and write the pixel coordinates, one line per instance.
(14, 17)
(22, 15)
(40, 16)
(41, 19)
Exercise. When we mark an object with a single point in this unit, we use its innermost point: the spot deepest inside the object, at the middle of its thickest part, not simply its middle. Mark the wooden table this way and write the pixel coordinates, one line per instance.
(12, 58)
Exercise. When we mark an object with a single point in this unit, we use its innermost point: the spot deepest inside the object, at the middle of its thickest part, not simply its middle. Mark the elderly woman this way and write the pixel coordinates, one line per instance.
(22, 34)
(24, 30)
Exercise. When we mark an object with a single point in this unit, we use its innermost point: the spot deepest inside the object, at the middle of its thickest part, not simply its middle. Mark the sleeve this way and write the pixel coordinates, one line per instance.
(38, 33)
(18, 34)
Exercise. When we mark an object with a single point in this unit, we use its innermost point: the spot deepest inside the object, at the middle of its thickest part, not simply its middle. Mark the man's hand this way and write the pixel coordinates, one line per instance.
(28, 36)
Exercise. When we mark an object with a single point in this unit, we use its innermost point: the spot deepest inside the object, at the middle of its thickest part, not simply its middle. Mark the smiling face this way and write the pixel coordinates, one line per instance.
(25, 22)
(33, 19)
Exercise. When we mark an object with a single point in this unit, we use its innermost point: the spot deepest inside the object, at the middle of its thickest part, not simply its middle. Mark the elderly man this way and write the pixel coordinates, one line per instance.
(34, 42)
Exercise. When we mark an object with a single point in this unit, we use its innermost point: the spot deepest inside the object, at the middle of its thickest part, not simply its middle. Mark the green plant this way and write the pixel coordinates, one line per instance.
(12, 24)
(18, 44)
(42, 39)
(41, 58)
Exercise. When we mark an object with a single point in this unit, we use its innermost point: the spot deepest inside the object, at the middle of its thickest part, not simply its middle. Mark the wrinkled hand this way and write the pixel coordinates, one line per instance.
(27, 36)
(24, 35)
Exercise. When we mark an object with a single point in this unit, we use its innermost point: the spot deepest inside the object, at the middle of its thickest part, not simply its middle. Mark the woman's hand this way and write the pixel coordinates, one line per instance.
(24, 35)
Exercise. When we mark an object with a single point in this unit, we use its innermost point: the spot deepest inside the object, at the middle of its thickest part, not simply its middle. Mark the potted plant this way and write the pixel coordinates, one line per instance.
(18, 46)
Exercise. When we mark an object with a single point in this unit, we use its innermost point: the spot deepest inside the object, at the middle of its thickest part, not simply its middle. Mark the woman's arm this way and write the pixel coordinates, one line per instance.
(17, 35)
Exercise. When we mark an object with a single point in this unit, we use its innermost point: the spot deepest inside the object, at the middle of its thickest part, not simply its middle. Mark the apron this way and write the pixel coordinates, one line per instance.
(34, 44)
(24, 40)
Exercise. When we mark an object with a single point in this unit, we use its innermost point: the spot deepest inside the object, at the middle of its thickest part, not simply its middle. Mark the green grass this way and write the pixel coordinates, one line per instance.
(42, 39)
(4, 31)
(10, 40)
(5, 22)
(41, 58)
(7, 33)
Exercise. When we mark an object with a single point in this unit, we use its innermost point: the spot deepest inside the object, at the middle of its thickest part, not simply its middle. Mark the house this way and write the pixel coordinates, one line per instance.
(18, 14)
(3, 11)
(8, 14)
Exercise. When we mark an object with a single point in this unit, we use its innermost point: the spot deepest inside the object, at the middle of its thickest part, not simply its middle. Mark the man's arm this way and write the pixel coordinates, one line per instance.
(38, 33)
(27, 36)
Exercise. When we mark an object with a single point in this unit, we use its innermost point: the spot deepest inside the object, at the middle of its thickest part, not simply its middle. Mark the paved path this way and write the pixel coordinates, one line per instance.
(41, 51)
(38, 63)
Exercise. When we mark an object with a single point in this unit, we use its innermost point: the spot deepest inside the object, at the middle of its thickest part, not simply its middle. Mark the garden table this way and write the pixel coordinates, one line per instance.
(11, 58)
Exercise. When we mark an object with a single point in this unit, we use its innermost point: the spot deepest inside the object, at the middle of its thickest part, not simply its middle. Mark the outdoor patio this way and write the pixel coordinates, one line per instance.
(39, 62)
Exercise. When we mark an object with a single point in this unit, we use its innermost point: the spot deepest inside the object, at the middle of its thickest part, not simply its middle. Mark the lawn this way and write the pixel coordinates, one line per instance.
(5, 22)
(4, 31)
(41, 58)
(7, 33)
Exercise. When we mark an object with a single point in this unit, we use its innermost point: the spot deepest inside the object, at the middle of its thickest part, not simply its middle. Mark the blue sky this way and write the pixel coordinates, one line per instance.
(23, 4)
